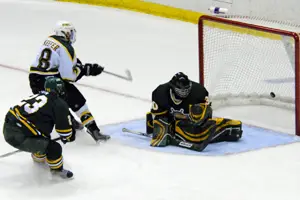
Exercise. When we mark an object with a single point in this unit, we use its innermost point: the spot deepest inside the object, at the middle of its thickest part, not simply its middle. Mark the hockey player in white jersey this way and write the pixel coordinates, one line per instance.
(57, 57)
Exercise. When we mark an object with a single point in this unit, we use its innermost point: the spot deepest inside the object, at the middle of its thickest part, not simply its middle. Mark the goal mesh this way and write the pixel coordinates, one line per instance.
(242, 63)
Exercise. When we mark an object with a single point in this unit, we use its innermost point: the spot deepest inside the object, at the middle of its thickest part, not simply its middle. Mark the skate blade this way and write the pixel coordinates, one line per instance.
(102, 141)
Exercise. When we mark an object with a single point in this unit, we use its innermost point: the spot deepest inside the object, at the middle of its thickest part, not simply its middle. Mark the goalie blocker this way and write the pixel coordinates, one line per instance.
(181, 115)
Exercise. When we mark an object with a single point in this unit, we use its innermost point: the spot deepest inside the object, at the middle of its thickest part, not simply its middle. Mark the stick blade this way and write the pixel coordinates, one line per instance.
(128, 74)
(124, 130)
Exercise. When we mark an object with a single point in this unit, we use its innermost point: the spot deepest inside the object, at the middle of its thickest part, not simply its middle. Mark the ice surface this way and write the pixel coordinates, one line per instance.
(153, 49)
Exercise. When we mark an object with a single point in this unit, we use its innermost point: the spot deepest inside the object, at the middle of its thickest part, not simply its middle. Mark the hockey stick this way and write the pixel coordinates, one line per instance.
(136, 132)
(128, 76)
(175, 142)
(18, 151)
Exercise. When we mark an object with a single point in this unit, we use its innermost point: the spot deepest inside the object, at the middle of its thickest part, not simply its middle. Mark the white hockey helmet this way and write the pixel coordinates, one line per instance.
(67, 30)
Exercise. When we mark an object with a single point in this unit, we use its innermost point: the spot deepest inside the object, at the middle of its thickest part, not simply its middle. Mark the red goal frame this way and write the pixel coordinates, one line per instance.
(259, 28)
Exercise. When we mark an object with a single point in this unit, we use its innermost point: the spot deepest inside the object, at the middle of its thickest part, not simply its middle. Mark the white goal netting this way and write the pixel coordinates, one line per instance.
(243, 65)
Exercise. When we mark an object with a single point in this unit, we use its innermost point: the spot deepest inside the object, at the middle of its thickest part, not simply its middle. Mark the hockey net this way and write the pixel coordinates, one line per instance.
(243, 64)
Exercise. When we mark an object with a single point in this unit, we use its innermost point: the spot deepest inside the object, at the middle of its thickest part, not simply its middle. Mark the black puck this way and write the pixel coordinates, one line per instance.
(272, 94)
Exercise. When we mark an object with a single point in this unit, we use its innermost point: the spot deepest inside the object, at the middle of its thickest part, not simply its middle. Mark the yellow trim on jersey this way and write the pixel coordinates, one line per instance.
(24, 122)
(77, 71)
(69, 80)
(64, 130)
(160, 113)
(72, 59)
(44, 73)
(65, 49)
(19, 114)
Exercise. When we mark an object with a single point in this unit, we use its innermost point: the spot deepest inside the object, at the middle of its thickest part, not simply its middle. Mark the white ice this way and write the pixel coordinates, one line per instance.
(153, 49)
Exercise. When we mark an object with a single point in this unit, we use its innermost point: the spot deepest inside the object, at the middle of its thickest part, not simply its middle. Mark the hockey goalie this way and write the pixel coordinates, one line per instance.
(181, 115)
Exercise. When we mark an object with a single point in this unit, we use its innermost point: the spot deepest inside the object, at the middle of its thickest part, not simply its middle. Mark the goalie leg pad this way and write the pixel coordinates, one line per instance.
(228, 130)
(189, 131)
(161, 136)
(149, 123)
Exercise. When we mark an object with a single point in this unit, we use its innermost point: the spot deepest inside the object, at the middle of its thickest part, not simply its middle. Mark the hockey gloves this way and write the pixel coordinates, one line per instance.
(87, 69)
(70, 138)
(92, 69)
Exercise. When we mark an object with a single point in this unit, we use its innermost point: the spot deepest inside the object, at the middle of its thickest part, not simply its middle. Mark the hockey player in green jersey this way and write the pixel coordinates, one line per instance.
(29, 124)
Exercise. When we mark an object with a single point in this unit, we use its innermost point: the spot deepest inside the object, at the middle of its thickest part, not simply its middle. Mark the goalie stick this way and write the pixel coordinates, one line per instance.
(125, 130)
(18, 151)
(192, 146)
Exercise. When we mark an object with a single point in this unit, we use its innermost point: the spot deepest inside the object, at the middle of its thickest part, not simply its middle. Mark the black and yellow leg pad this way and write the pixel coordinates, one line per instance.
(149, 123)
(227, 130)
(186, 130)
(161, 135)
(40, 158)
(55, 164)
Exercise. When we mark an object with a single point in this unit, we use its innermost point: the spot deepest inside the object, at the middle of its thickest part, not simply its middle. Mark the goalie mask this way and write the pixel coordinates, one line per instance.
(181, 85)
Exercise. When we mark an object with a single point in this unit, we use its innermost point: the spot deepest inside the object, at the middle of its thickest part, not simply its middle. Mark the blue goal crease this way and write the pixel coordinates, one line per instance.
(254, 138)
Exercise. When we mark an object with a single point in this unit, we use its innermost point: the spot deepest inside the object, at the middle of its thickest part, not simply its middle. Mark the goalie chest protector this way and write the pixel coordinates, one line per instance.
(165, 103)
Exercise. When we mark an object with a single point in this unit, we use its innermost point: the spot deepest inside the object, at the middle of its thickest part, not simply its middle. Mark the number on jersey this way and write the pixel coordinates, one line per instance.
(44, 60)
(33, 103)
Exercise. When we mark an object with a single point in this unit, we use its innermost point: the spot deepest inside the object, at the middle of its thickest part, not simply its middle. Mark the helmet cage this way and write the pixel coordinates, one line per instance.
(183, 92)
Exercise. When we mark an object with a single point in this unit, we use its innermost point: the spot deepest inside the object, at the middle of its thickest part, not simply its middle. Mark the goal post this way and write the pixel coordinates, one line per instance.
(243, 63)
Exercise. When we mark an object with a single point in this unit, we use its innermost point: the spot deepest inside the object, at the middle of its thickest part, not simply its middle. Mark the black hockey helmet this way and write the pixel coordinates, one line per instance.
(56, 85)
(181, 85)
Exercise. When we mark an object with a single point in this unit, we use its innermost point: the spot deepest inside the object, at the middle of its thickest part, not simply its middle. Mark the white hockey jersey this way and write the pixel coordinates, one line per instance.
(56, 56)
